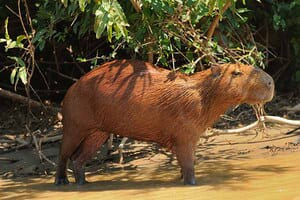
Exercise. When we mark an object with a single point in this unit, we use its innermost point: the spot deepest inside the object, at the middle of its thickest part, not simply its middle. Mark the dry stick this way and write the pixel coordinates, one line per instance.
(295, 108)
(274, 119)
(10, 95)
(215, 23)
(19, 98)
(62, 75)
(50, 139)
(137, 5)
(31, 60)
(281, 120)
(40, 152)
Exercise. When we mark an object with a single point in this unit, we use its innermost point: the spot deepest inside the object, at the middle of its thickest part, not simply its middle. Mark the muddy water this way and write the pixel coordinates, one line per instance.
(274, 177)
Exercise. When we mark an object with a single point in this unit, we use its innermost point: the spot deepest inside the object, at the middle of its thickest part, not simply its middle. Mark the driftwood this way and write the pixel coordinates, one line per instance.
(24, 100)
(262, 119)
(19, 98)
(295, 108)
(120, 147)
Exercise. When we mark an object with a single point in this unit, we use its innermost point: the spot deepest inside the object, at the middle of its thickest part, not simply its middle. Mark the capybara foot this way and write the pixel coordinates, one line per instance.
(79, 174)
(190, 181)
(82, 182)
(61, 181)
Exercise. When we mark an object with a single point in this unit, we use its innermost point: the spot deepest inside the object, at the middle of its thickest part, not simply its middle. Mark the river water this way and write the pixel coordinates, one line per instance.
(273, 177)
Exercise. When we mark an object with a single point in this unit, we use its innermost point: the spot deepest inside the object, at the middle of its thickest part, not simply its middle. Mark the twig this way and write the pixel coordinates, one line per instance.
(137, 5)
(274, 119)
(62, 75)
(215, 23)
(51, 139)
(41, 154)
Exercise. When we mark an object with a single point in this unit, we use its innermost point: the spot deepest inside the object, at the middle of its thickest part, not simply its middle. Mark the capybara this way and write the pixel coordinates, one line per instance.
(138, 100)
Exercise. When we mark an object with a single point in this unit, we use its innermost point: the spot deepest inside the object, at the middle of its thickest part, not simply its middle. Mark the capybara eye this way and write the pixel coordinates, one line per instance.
(236, 73)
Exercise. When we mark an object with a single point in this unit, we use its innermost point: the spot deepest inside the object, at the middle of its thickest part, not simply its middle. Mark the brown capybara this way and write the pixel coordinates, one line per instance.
(138, 100)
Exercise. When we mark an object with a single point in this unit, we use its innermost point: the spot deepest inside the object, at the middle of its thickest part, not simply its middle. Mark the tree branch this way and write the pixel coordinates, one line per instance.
(215, 23)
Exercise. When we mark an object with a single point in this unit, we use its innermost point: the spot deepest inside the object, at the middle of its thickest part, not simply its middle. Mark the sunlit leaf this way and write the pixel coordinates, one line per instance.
(18, 60)
(81, 59)
(13, 75)
(65, 2)
(82, 4)
(23, 75)
(20, 38)
(6, 29)
(109, 32)
(100, 25)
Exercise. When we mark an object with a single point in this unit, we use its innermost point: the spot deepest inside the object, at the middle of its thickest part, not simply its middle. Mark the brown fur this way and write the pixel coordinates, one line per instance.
(138, 100)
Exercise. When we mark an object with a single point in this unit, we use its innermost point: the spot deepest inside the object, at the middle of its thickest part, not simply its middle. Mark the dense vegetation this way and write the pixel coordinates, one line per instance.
(45, 45)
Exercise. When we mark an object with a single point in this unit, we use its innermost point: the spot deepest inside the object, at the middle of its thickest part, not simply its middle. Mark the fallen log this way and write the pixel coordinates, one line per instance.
(24, 100)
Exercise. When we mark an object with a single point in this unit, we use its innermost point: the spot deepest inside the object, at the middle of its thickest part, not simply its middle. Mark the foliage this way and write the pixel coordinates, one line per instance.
(19, 72)
(286, 16)
(173, 32)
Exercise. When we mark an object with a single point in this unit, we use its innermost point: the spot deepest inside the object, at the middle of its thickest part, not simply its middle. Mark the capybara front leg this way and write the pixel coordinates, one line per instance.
(85, 151)
(185, 157)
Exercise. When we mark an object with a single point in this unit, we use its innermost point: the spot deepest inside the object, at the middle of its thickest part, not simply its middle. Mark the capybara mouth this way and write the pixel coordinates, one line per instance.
(263, 97)
(267, 94)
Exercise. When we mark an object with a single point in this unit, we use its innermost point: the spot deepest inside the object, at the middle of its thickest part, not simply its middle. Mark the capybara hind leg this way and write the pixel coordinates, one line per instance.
(61, 175)
(68, 147)
(185, 157)
(85, 151)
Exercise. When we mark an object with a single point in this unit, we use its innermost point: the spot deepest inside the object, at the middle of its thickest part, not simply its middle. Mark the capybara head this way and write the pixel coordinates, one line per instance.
(242, 83)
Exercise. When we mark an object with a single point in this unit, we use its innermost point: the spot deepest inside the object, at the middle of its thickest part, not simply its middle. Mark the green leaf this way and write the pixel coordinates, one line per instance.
(65, 2)
(211, 5)
(82, 5)
(119, 10)
(10, 44)
(177, 42)
(23, 75)
(20, 38)
(39, 35)
(13, 75)
(6, 29)
(81, 59)
(18, 60)
(41, 44)
(109, 32)
(100, 25)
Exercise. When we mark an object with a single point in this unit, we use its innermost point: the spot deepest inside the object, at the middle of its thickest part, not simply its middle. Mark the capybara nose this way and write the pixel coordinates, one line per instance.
(270, 86)
(269, 83)
(267, 79)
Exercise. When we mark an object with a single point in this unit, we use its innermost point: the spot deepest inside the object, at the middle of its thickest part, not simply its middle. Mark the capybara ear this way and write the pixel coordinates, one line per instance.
(215, 70)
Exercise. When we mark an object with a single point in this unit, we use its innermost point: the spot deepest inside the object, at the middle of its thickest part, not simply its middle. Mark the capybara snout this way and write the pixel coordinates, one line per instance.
(261, 86)
(138, 100)
(266, 89)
